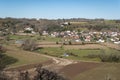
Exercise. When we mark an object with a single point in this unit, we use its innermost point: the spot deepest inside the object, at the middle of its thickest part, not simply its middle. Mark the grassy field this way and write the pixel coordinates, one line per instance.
(24, 57)
(48, 38)
(18, 37)
(77, 54)
(35, 37)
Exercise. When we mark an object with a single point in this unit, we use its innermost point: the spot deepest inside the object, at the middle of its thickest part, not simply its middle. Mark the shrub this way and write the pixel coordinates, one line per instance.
(83, 43)
(27, 31)
(70, 42)
(57, 42)
(105, 57)
(40, 74)
(109, 58)
(2, 49)
(29, 45)
(44, 74)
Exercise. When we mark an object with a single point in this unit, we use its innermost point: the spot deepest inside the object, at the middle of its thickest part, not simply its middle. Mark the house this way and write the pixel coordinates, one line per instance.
(100, 40)
(44, 33)
(28, 29)
(118, 42)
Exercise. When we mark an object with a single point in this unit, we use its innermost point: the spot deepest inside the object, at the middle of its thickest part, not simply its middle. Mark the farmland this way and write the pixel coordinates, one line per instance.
(68, 48)
(23, 57)
(78, 54)
(93, 71)
(92, 67)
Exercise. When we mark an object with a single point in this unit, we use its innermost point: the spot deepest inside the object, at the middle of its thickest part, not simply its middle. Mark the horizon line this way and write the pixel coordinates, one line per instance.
(56, 18)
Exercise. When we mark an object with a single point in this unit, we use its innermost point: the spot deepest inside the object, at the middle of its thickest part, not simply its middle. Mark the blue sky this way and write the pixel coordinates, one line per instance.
(53, 9)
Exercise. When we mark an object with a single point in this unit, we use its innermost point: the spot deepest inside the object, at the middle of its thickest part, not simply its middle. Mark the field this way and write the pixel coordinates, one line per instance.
(68, 60)
(93, 71)
(77, 54)
(35, 37)
(24, 57)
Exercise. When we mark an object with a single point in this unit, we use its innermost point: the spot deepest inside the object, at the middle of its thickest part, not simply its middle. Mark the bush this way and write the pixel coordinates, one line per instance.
(109, 58)
(4, 77)
(72, 54)
(27, 31)
(40, 74)
(105, 57)
(29, 45)
(70, 42)
(57, 42)
(44, 74)
(2, 49)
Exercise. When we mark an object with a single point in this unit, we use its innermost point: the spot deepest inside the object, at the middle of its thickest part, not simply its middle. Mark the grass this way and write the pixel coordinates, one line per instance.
(77, 54)
(24, 57)
(36, 37)
(110, 70)
(17, 37)
(58, 52)
(48, 38)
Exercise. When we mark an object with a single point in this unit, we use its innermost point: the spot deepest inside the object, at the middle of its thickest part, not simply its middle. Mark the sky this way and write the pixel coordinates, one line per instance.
(54, 9)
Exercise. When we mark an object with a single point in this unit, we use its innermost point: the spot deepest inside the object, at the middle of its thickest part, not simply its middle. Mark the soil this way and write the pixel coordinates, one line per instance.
(73, 70)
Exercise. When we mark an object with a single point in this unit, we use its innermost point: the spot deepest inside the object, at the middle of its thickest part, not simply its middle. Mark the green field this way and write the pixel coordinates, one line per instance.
(77, 54)
(23, 57)
(18, 37)
(35, 37)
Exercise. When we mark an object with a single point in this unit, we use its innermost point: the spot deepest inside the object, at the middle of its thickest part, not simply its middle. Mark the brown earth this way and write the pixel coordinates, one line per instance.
(73, 70)
(111, 45)
(87, 46)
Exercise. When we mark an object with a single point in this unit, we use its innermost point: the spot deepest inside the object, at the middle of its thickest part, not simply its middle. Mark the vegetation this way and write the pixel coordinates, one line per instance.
(81, 54)
(4, 61)
(75, 54)
(23, 57)
(13, 25)
(29, 45)
(44, 74)
(13, 57)
(110, 57)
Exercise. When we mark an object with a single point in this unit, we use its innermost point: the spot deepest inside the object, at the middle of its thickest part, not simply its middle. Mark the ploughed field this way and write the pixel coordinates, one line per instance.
(92, 71)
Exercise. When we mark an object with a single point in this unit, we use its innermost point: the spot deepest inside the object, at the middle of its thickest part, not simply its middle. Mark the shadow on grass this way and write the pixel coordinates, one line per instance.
(6, 60)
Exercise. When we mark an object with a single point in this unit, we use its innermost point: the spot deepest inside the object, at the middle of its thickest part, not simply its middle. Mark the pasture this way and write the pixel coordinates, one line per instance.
(76, 53)
(23, 57)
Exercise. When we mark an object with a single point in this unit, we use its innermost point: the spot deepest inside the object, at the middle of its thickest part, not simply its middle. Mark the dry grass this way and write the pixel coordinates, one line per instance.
(87, 46)
(111, 45)
(24, 57)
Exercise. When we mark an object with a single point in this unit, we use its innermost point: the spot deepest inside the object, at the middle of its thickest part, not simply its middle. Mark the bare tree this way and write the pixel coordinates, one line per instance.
(29, 44)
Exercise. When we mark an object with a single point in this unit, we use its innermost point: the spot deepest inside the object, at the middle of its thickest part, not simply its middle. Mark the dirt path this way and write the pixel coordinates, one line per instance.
(111, 45)
(56, 62)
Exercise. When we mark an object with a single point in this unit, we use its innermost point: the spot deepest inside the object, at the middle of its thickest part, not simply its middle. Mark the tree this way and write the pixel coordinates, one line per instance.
(44, 74)
(29, 44)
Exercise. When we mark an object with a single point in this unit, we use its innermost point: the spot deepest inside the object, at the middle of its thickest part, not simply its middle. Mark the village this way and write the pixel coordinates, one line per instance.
(75, 36)
(59, 39)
